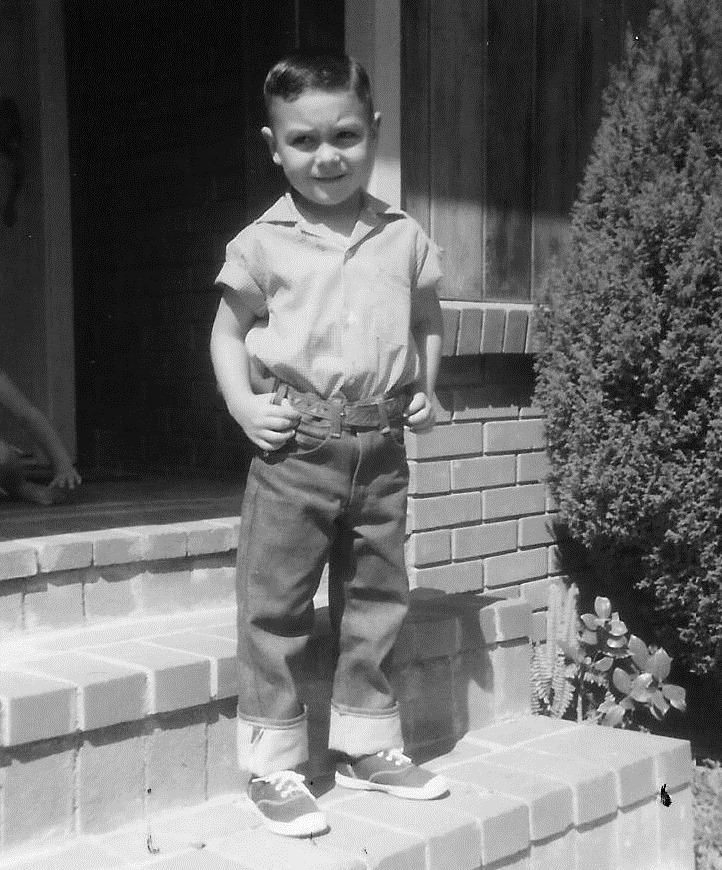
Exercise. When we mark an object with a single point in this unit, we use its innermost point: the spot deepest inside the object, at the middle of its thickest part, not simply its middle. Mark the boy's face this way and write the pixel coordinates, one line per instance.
(326, 144)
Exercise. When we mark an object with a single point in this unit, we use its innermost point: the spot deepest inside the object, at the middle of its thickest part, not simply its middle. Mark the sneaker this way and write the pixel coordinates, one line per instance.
(286, 805)
(390, 771)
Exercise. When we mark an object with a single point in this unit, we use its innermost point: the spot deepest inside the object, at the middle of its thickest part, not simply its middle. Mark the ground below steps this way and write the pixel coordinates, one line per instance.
(528, 794)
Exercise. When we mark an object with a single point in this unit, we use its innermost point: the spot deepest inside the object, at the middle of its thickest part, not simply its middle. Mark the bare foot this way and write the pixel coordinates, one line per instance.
(42, 495)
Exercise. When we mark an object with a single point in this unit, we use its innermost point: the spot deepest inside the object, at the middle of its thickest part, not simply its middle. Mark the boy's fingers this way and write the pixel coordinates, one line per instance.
(286, 414)
(276, 438)
(279, 424)
(416, 404)
(286, 411)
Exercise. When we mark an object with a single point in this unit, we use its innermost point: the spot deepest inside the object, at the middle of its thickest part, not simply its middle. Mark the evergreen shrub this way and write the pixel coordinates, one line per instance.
(630, 367)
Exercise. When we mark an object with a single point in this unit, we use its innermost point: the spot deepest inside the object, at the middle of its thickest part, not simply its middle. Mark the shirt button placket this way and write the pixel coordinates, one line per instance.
(348, 364)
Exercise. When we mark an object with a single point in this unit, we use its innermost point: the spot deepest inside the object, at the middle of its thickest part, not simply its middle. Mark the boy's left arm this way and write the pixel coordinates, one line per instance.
(427, 328)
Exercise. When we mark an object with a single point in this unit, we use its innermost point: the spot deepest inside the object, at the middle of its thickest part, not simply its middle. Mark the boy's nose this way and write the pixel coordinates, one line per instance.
(326, 156)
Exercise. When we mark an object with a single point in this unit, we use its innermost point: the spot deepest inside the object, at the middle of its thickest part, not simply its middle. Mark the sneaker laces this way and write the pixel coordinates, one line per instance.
(286, 782)
(395, 755)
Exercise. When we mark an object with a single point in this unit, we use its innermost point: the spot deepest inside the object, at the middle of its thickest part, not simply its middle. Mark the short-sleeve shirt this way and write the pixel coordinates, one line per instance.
(333, 318)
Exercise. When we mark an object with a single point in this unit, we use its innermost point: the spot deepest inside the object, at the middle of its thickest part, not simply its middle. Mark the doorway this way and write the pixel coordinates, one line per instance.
(167, 165)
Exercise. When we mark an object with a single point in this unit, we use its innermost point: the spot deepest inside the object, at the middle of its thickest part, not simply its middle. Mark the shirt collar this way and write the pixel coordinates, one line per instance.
(284, 211)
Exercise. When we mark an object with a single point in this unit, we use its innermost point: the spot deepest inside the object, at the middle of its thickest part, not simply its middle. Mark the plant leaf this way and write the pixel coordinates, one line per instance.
(676, 696)
(659, 702)
(643, 680)
(589, 637)
(616, 642)
(660, 665)
(639, 693)
(617, 628)
(602, 607)
(589, 620)
(604, 664)
(622, 680)
(572, 652)
(639, 651)
(614, 716)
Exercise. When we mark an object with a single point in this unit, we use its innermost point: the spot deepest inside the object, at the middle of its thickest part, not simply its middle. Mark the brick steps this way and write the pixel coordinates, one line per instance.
(109, 722)
(117, 707)
(82, 579)
(531, 793)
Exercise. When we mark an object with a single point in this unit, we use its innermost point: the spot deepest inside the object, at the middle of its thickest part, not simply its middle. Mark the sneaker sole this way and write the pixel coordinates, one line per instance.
(306, 826)
(434, 788)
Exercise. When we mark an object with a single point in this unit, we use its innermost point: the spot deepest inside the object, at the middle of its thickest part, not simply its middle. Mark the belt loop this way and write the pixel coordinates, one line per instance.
(383, 416)
(281, 391)
(336, 414)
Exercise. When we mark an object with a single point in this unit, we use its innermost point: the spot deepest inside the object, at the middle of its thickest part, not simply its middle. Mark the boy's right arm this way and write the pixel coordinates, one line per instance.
(267, 425)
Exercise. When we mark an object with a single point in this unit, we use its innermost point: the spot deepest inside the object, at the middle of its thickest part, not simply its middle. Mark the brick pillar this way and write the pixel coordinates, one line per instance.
(480, 514)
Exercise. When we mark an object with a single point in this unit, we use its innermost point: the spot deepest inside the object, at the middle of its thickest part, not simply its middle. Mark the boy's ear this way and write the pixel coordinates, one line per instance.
(270, 139)
(376, 124)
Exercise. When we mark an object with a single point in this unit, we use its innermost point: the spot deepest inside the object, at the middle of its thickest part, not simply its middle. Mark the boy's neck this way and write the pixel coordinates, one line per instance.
(339, 219)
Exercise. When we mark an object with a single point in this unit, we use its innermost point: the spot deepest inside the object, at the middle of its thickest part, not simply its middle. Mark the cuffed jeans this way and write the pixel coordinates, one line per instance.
(318, 498)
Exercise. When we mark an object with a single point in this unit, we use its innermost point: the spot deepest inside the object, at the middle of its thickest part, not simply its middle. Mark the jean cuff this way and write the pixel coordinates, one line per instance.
(363, 732)
(265, 748)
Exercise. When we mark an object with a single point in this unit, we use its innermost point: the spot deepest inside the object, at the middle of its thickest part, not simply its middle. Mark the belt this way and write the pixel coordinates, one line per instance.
(378, 413)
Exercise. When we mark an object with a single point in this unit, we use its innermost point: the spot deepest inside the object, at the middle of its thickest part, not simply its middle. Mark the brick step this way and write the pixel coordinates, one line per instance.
(65, 581)
(108, 724)
(530, 794)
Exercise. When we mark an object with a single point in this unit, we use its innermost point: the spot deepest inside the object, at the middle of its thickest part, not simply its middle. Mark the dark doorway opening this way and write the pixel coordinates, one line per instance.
(167, 165)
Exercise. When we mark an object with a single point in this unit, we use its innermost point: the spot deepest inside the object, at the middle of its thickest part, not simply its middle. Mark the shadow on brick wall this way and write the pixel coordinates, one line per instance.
(446, 670)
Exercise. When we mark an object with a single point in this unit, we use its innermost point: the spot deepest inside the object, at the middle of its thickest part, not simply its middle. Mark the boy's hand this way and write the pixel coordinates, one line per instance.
(420, 414)
(267, 425)
(66, 477)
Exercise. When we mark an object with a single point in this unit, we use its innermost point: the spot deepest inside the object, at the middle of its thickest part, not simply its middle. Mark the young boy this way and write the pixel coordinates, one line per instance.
(326, 341)
(12, 478)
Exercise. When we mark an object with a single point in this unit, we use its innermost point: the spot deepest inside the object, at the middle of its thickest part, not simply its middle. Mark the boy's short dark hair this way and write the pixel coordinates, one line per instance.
(309, 70)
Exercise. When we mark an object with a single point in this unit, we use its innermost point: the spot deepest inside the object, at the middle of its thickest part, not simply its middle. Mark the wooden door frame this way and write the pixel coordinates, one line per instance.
(44, 29)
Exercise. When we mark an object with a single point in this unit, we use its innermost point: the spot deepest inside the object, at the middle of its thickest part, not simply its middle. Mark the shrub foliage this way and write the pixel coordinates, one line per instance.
(630, 368)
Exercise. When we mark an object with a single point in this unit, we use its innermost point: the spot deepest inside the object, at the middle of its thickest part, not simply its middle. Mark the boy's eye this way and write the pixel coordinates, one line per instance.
(302, 141)
(347, 136)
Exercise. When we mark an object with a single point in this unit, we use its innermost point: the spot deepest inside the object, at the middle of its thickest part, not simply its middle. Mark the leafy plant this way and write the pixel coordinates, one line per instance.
(594, 665)
(552, 676)
(630, 366)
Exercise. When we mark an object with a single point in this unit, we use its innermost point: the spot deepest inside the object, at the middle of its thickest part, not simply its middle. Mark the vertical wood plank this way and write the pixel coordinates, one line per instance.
(55, 179)
(556, 129)
(602, 40)
(509, 158)
(457, 61)
(415, 108)
(636, 14)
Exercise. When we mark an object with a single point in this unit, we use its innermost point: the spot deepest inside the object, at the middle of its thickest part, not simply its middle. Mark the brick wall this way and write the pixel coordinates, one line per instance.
(480, 514)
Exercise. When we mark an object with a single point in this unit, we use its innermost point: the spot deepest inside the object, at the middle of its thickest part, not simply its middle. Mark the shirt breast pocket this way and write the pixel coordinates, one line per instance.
(391, 311)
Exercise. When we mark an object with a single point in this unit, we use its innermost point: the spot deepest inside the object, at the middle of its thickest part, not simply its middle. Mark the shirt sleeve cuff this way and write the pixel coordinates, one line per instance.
(243, 286)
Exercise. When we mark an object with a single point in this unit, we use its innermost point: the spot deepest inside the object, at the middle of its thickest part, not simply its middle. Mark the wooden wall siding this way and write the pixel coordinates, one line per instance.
(168, 164)
(500, 103)
(456, 176)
